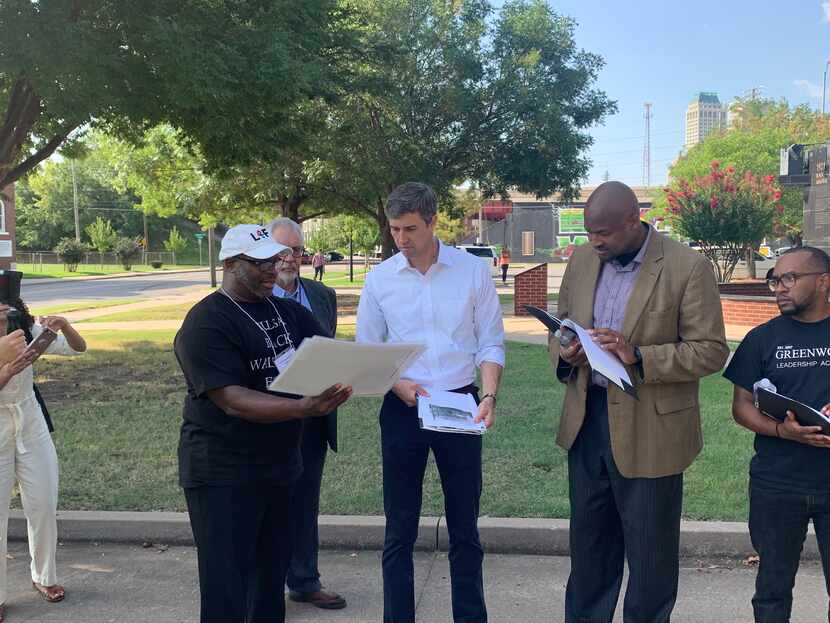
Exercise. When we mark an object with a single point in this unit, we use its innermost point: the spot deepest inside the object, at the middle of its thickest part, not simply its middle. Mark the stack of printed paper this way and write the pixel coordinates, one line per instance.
(449, 412)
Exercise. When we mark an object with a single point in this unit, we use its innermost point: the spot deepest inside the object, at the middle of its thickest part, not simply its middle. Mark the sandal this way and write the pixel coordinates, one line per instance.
(52, 594)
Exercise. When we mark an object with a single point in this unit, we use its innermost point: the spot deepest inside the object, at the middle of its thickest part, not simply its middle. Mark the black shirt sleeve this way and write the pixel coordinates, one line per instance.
(746, 367)
(208, 355)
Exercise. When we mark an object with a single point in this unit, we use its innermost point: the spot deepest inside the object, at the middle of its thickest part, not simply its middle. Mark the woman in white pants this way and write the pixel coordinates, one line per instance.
(27, 454)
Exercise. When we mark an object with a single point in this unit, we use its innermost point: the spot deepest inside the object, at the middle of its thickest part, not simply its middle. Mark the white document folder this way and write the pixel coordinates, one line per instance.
(370, 369)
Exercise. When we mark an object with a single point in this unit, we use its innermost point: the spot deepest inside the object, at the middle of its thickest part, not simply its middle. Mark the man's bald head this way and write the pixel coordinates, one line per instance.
(612, 220)
(613, 200)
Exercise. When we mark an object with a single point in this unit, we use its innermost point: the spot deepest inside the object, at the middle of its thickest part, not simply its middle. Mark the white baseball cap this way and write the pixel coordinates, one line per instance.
(252, 240)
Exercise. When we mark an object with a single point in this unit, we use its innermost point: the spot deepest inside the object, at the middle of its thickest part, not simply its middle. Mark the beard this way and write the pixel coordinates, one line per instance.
(792, 308)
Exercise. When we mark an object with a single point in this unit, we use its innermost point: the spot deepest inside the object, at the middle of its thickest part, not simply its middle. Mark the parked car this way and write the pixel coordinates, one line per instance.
(781, 250)
(486, 253)
(306, 257)
(333, 256)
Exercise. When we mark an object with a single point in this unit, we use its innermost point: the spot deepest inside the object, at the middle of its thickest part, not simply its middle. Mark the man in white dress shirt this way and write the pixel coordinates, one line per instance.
(444, 298)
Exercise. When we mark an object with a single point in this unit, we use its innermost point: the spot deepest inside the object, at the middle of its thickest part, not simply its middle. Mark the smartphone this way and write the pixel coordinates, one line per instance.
(41, 342)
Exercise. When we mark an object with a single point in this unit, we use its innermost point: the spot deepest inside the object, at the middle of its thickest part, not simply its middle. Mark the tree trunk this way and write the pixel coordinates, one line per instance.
(387, 243)
(22, 111)
(290, 206)
(750, 262)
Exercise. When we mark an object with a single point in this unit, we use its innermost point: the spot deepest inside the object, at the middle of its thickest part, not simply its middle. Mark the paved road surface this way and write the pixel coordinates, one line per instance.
(151, 285)
(129, 584)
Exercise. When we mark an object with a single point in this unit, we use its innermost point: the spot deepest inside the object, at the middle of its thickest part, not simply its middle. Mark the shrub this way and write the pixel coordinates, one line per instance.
(71, 252)
(127, 250)
(726, 213)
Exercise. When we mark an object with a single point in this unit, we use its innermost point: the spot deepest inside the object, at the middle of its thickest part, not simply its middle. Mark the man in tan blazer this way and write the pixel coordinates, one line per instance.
(654, 303)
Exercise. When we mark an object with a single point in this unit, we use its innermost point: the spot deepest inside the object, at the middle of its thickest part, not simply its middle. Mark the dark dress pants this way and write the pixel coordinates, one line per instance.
(243, 546)
(778, 526)
(614, 519)
(303, 574)
(405, 449)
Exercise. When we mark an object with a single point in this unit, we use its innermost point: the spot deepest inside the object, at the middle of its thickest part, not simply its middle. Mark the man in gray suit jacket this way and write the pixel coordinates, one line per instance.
(318, 433)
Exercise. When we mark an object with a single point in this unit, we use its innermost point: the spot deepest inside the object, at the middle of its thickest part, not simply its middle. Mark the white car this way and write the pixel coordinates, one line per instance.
(485, 253)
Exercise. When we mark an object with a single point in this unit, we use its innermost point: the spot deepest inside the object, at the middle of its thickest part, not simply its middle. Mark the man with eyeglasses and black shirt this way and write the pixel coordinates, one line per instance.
(319, 434)
(790, 472)
(239, 448)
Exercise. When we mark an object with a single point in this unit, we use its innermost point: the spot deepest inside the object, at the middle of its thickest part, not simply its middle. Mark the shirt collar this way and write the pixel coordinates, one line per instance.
(278, 291)
(638, 259)
(444, 257)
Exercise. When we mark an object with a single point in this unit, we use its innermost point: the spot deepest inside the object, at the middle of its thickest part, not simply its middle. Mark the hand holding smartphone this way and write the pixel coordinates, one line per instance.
(41, 343)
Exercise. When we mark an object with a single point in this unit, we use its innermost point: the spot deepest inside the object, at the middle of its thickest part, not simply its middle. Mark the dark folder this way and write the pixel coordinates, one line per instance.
(776, 406)
(549, 320)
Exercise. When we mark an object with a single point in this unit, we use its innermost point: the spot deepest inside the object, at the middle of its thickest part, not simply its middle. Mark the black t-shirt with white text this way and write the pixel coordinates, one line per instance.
(795, 357)
(217, 346)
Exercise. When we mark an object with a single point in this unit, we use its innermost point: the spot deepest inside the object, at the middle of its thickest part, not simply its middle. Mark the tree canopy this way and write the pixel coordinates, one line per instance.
(459, 92)
(224, 72)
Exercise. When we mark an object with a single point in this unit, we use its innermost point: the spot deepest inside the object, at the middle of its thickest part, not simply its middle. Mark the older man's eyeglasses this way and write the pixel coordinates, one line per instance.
(296, 252)
(787, 279)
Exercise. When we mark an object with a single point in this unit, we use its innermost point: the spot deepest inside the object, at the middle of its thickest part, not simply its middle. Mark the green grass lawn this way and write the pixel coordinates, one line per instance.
(118, 409)
(339, 277)
(43, 271)
(80, 305)
(505, 299)
(176, 311)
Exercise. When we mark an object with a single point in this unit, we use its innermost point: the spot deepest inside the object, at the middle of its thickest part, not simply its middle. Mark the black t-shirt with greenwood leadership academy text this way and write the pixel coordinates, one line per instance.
(217, 346)
(795, 357)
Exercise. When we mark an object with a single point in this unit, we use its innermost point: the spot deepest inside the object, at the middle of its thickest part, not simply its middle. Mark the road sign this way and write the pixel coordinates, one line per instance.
(199, 236)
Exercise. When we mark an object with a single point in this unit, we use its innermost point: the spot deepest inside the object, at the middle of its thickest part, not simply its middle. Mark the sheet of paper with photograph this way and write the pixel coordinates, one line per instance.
(601, 361)
(320, 362)
(449, 412)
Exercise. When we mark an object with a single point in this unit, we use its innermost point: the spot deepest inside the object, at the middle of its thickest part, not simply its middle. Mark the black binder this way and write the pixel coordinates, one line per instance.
(776, 406)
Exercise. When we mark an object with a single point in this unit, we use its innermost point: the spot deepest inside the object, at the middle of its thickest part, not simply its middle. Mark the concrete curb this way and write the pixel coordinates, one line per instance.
(543, 537)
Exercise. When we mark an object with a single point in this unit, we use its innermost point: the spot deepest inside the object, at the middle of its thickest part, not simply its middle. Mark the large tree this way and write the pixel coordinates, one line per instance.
(224, 71)
(455, 92)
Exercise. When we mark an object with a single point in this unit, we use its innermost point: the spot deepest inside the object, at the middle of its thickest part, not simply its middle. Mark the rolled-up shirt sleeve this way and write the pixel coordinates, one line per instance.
(371, 323)
(489, 326)
(58, 347)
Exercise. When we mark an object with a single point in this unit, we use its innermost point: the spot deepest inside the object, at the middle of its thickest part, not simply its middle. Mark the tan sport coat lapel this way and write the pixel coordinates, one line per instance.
(582, 311)
(643, 286)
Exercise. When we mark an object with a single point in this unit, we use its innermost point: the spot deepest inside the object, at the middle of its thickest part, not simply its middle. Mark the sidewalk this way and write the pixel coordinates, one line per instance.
(133, 584)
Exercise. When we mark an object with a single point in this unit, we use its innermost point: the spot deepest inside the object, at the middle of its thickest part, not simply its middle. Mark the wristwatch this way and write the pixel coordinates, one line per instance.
(493, 396)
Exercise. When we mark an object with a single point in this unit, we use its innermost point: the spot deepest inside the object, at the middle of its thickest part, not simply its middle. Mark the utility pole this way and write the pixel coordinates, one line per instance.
(754, 92)
(146, 233)
(824, 88)
(75, 202)
(211, 258)
(647, 147)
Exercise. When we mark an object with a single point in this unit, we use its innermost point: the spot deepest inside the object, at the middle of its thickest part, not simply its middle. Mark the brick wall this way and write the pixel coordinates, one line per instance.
(530, 288)
(748, 310)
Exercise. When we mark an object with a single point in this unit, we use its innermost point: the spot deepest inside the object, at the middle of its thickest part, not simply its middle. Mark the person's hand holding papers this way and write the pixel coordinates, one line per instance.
(325, 403)
(486, 413)
(408, 391)
(614, 342)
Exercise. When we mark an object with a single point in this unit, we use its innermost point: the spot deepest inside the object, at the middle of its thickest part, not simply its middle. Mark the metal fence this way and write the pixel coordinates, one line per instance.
(93, 258)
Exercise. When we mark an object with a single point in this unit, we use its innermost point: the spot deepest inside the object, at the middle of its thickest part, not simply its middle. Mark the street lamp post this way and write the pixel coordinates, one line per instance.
(824, 87)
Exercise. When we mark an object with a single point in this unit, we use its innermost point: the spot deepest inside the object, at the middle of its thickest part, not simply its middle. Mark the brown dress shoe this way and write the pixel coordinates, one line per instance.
(321, 599)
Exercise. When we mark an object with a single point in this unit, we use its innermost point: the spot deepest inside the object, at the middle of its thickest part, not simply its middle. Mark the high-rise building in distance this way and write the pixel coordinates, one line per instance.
(704, 115)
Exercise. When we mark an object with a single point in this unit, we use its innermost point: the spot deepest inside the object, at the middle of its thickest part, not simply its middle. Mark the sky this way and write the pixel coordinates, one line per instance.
(666, 52)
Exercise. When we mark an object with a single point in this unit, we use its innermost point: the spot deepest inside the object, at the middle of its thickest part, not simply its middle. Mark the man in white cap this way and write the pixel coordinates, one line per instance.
(239, 446)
